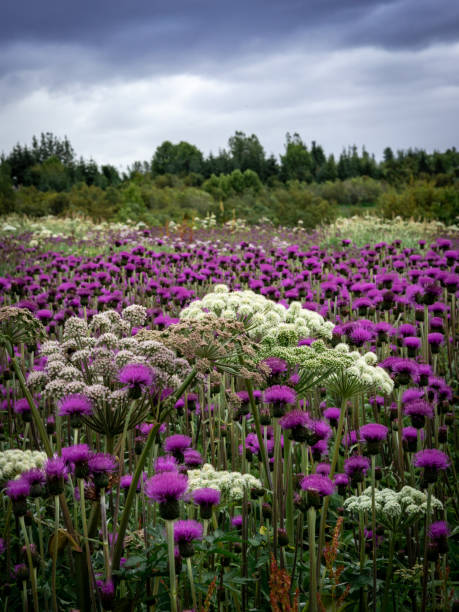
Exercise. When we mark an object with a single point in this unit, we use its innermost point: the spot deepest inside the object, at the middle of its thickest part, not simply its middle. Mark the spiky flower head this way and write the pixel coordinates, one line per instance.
(167, 488)
(185, 532)
(206, 498)
(56, 473)
(19, 326)
(316, 487)
(166, 463)
(75, 406)
(101, 465)
(176, 445)
(356, 467)
(136, 376)
(432, 461)
(296, 421)
(373, 434)
(419, 410)
(279, 396)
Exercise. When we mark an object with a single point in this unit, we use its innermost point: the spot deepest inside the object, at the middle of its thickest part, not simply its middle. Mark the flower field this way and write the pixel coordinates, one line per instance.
(205, 417)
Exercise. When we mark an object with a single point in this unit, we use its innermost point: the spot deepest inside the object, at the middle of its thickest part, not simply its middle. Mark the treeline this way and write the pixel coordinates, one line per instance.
(304, 183)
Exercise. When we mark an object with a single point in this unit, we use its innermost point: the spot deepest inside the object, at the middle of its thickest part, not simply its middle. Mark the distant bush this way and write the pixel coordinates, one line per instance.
(421, 200)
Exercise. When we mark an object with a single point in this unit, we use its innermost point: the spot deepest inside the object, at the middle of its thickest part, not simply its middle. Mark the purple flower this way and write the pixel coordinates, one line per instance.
(435, 339)
(167, 488)
(176, 445)
(432, 460)
(18, 489)
(323, 469)
(341, 481)
(236, 521)
(56, 472)
(279, 396)
(356, 467)
(75, 406)
(21, 406)
(100, 466)
(296, 421)
(185, 532)
(439, 533)
(405, 370)
(359, 335)
(206, 498)
(276, 365)
(419, 410)
(373, 434)
(107, 593)
(78, 454)
(316, 487)
(166, 463)
(192, 458)
(332, 415)
(136, 376)
(36, 479)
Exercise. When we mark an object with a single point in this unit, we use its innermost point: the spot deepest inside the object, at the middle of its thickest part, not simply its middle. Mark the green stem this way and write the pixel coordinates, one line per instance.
(33, 580)
(86, 540)
(55, 552)
(140, 464)
(425, 572)
(373, 524)
(256, 417)
(312, 560)
(288, 482)
(103, 520)
(390, 562)
(190, 577)
(170, 550)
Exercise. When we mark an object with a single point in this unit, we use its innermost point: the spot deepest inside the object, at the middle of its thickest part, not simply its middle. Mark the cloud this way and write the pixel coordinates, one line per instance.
(367, 96)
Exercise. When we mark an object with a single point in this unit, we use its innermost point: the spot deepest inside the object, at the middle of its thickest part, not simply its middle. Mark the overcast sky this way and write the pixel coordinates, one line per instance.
(119, 77)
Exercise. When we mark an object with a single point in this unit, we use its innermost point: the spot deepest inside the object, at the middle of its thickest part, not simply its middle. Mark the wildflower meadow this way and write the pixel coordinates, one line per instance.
(228, 417)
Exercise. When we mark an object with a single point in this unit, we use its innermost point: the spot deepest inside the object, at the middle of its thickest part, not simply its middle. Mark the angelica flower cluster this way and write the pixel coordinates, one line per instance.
(393, 508)
(231, 484)
(271, 322)
(13, 462)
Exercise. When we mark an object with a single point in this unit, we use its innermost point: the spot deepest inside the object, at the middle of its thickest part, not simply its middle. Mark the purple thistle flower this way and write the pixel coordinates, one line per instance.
(206, 498)
(410, 438)
(413, 344)
(296, 421)
(100, 466)
(185, 532)
(279, 396)
(18, 489)
(410, 395)
(176, 445)
(323, 469)
(166, 463)
(341, 481)
(356, 467)
(36, 479)
(435, 339)
(405, 370)
(349, 439)
(419, 410)
(359, 335)
(318, 430)
(276, 365)
(136, 376)
(316, 487)
(192, 458)
(21, 406)
(56, 473)
(332, 415)
(75, 404)
(107, 593)
(373, 434)
(439, 533)
(167, 488)
(78, 455)
(318, 449)
(236, 521)
(432, 460)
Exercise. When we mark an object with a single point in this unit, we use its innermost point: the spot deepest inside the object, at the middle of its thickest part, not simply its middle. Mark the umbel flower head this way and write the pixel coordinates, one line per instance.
(206, 499)
(432, 461)
(185, 532)
(75, 406)
(167, 488)
(136, 376)
(19, 326)
(373, 434)
(316, 487)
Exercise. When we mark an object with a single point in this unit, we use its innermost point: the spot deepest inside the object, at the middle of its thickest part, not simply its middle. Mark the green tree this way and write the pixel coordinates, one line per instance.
(297, 163)
(247, 153)
(180, 159)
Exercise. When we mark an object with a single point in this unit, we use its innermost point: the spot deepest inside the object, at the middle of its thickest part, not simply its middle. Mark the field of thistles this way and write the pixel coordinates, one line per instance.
(223, 418)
